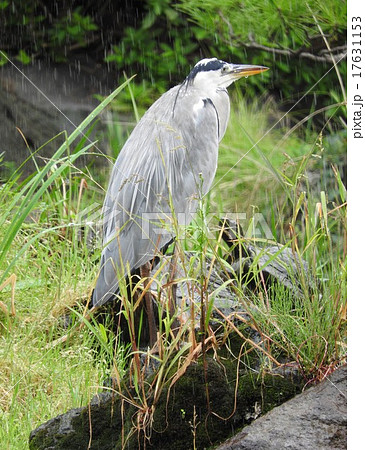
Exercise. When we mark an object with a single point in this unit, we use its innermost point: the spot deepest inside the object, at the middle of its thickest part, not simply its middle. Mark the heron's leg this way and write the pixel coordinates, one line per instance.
(145, 273)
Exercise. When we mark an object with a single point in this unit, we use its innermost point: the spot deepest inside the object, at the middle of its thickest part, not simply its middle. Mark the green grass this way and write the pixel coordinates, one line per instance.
(56, 270)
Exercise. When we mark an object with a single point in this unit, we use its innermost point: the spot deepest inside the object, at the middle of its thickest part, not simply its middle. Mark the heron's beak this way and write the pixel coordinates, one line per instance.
(244, 70)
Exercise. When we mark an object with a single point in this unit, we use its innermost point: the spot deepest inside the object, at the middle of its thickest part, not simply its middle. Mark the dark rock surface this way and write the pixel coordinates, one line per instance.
(315, 419)
(278, 264)
(180, 417)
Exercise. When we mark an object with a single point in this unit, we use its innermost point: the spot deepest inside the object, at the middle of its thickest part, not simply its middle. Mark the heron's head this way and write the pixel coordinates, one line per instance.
(212, 73)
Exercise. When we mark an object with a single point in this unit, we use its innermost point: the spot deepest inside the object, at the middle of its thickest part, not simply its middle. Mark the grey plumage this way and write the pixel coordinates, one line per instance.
(168, 162)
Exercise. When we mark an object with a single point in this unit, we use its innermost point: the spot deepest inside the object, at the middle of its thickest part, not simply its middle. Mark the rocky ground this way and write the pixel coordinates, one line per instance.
(315, 419)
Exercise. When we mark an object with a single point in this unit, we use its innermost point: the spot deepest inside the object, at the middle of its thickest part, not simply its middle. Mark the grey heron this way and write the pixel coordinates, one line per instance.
(167, 164)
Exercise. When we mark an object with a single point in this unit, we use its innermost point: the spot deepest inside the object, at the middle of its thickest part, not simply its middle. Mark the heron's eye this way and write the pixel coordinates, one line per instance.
(225, 69)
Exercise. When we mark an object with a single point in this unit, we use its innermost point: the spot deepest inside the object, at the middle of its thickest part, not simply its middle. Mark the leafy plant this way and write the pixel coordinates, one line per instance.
(159, 48)
(73, 29)
(36, 24)
(23, 57)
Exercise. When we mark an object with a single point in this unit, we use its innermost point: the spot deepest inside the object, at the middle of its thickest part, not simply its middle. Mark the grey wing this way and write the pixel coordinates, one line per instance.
(153, 173)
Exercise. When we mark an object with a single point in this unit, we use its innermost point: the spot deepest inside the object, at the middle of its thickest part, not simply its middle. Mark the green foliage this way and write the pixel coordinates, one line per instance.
(286, 24)
(160, 39)
(159, 46)
(36, 29)
(72, 29)
(3, 58)
(23, 57)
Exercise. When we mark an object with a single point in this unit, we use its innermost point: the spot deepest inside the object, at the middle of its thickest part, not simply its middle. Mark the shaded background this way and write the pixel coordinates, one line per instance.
(75, 52)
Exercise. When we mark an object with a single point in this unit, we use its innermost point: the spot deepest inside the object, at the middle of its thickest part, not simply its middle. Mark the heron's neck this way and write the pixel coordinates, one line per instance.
(220, 100)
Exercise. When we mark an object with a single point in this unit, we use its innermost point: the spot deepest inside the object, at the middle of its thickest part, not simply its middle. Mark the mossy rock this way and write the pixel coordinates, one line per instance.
(205, 406)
